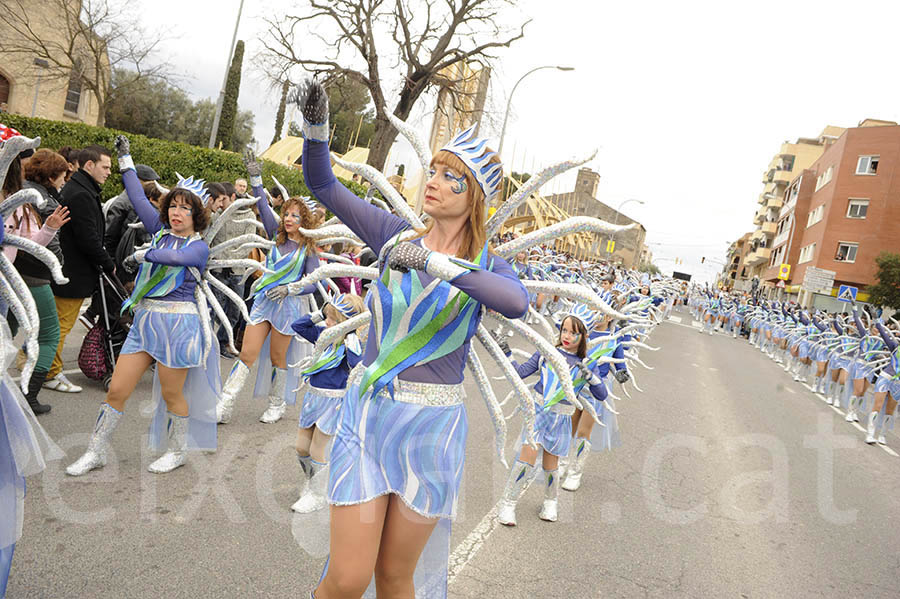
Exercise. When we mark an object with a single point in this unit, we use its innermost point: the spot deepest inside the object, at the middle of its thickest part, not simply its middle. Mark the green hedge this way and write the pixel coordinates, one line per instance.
(166, 157)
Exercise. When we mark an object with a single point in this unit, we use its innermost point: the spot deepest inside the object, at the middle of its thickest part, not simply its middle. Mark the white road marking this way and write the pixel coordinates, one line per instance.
(857, 426)
(675, 319)
(789, 390)
(889, 450)
(838, 410)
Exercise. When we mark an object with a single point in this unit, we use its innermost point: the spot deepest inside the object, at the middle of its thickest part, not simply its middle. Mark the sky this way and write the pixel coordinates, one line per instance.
(686, 102)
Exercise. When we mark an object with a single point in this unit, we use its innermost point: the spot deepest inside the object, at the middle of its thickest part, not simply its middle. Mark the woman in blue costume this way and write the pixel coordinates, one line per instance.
(321, 408)
(274, 310)
(397, 459)
(553, 425)
(861, 370)
(839, 362)
(24, 446)
(887, 389)
(168, 328)
(587, 435)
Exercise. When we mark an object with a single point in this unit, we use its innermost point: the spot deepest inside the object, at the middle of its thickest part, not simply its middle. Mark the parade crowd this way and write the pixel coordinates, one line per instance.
(367, 321)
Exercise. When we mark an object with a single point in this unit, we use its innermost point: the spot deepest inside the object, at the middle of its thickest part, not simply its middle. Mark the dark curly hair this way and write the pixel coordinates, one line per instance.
(198, 211)
(307, 221)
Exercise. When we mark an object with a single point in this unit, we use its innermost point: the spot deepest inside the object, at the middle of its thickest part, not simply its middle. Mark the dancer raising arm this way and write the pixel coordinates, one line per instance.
(405, 399)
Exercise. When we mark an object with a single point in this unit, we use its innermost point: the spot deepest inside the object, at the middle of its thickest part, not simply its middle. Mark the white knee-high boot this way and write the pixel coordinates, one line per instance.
(515, 483)
(233, 385)
(550, 509)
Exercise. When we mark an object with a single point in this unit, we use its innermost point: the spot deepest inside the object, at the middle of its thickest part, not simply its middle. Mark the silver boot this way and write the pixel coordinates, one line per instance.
(870, 428)
(95, 455)
(176, 452)
(277, 405)
(550, 509)
(313, 496)
(236, 380)
(582, 448)
(886, 421)
(851, 409)
(518, 478)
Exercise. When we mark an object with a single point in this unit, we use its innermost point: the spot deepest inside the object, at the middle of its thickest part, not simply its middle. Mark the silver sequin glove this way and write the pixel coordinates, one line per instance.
(278, 293)
(254, 170)
(123, 151)
(409, 256)
(622, 376)
(130, 263)
(317, 317)
(589, 375)
(312, 100)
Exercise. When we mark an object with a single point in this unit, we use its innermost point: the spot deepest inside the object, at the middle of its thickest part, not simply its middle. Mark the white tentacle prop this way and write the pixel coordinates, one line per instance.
(241, 242)
(490, 402)
(333, 240)
(226, 215)
(228, 293)
(332, 270)
(639, 344)
(526, 402)
(337, 258)
(11, 148)
(41, 253)
(25, 311)
(331, 334)
(284, 192)
(421, 148)
(377, 179)
(216, 264)
(254, 222)
(570, 226)
(330, 231)
(21, 197)
(220, 314)
(579, 293)
(203, 312)
(532, 185)
(545, 324)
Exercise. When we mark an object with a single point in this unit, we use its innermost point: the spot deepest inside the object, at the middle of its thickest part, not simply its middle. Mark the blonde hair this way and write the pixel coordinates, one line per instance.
(355, 301)
(474, 234)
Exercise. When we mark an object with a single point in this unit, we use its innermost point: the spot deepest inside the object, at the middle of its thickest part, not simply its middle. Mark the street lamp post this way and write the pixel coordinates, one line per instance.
(616, 222)
(509, 101)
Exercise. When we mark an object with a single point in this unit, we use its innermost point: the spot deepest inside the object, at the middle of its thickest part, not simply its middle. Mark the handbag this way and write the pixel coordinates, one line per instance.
(92, 359)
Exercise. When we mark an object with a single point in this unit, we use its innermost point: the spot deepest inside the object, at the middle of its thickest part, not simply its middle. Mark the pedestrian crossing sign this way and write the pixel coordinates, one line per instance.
(846, 293)
(784, 272)
(610, 246)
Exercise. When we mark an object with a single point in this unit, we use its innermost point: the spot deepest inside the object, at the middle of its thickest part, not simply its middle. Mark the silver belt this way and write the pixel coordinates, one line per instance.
(423, 394)
(565, 409)
(332, 393)
(167, 307)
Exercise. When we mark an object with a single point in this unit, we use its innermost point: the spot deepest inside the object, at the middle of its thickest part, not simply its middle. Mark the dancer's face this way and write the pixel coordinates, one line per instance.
(292, 219)
(447, 194)
(181, 217)
(569, 336)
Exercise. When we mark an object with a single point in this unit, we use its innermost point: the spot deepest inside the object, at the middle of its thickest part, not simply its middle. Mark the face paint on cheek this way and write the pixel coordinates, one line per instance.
(459, 184)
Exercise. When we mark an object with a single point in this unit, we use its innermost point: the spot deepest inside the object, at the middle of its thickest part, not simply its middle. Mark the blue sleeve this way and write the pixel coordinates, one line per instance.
(859, 324)
(497, 289)
(838, 327)
(304, 327)
(196, 254)
(820, 325)
(265, 211)
(311, 263)
(657, 301)
(353, 358)
(598, 391)
(619, 354)
(886, 336)
(145, 210)
(529, 367)
(372, 224)
(804, 319)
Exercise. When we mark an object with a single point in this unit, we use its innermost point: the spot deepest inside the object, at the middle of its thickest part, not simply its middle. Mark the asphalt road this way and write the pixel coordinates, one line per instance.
(732, 481)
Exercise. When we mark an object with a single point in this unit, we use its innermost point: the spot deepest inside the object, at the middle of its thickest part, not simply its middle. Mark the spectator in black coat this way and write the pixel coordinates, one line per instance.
(81, 242)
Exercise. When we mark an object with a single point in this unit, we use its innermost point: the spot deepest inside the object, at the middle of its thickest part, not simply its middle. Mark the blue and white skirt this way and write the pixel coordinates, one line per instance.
(552, 427)
(412, 446)
(322, 409)
(172, 334)
(281, 316)
(821, 353)
(860, 369)
(886, 383)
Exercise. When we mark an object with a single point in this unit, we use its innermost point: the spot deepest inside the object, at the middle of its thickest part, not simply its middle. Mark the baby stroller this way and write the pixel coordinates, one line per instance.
(104, 340)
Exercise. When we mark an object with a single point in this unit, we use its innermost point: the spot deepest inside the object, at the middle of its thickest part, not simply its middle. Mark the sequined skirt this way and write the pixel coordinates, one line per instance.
(322, 408)
(412, 446)
(860, 369)
(838, 362)
(280, 314)
(887, 384)
(553, 427)
(169, 331)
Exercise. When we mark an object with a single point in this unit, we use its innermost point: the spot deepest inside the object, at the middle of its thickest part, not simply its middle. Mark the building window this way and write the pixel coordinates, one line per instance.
(4, 90)
(823, 179)
(806, 254)
(73, 95)
(867, 165)
(846, 252)
(857, 208)
(815, 215)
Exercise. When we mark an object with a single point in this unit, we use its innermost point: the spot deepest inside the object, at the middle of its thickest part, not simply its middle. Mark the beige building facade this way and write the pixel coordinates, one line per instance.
(30, 86)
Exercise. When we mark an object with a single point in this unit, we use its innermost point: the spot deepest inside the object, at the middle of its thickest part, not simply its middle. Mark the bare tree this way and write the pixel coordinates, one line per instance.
(83, 39)
(440, 34)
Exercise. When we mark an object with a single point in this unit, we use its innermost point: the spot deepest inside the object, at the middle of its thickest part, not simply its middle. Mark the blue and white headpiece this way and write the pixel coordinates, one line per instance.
(311, 204)
(474, 154)
(579, 311)
(198, 187)
(342, 305)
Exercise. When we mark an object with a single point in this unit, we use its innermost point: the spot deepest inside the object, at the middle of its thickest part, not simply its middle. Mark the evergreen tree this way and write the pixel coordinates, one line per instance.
(279, 118)
(229, 105)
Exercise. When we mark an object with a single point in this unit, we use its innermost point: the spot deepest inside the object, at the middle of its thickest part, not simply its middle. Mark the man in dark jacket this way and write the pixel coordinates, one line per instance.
(82, 246)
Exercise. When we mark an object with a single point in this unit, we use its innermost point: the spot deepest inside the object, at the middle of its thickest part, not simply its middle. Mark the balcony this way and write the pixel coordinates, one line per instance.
(769, 228)
(781, 237)
(757, 235)
(783, 177)
(774, 202)
(760, 216)
(758, 256)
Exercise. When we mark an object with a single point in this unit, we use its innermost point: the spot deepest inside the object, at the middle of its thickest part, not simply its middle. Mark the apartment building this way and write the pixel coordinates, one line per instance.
(735, 273)
(840, 213)
(791, 159)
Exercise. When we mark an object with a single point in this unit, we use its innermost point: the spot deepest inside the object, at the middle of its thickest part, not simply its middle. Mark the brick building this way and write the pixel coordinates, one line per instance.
(841, 212)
